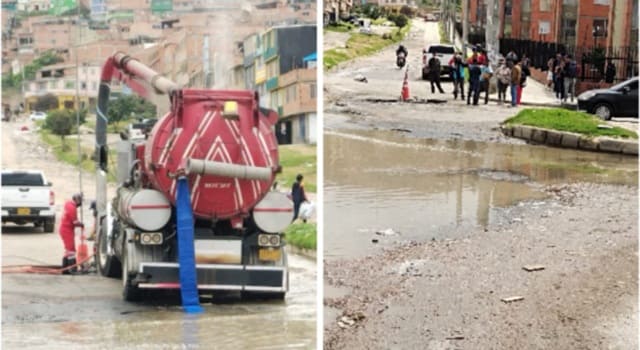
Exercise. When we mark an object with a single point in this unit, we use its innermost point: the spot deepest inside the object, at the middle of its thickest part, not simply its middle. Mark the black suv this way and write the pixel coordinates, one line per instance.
(617, 101)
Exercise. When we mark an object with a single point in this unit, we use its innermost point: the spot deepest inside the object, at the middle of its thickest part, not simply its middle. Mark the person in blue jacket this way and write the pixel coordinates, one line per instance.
(297, 196)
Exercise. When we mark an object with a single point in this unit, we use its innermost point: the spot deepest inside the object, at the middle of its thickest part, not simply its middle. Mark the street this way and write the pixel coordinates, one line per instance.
(435, 214)
(87, 311)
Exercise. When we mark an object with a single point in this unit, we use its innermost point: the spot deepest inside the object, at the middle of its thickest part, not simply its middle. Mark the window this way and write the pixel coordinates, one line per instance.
(69, 84)
(545, 5)
(83, 85)
(94, 86)
(544, 27)
(599, 28)
(601, 2)
(507, 8)
(52, 84)
(312, 89)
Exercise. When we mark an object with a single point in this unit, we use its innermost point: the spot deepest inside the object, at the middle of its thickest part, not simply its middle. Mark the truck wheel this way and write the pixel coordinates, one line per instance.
(49, 226)
(130, 292)
(109, 266)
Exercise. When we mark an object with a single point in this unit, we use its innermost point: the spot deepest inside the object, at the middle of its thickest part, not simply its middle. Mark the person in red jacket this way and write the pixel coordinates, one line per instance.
(67, 226)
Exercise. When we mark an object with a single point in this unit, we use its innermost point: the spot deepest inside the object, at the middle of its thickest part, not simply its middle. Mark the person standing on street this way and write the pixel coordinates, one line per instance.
(485, 77)
(570, 76)
(67, 226)
(456, 65)
(474, 82)
(298, 196)
(434, 73)
(503, 75)
(525, 72)
(515, 81)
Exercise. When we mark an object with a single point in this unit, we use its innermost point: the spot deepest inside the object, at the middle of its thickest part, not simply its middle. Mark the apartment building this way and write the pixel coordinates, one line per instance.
(60, 80)
(574, 23)
(333, 9)
(296, 99)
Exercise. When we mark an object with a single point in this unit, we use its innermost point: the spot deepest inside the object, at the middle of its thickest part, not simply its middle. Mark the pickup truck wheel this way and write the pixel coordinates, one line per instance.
(109, 266)
(49, 226)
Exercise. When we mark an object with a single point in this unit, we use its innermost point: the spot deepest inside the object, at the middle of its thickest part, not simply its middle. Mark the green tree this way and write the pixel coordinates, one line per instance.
(372, 11)
(60, 122)
(127, 107)
(407, 11)
(399, 20)
(46, 102)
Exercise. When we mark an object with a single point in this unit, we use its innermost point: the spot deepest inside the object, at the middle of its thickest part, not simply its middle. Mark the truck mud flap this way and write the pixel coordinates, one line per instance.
(155, 275)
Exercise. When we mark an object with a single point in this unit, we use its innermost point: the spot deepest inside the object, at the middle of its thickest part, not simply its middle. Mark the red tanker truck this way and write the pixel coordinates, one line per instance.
(194, 208)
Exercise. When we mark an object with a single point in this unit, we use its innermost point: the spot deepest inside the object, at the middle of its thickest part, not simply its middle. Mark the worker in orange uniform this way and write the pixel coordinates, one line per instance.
(67, 226)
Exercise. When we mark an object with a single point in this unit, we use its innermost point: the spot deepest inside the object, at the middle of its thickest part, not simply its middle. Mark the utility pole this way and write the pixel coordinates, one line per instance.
(465, 27)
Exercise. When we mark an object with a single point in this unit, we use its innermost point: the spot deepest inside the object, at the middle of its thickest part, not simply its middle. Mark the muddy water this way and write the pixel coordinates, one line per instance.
(90, 322)
(422, 188)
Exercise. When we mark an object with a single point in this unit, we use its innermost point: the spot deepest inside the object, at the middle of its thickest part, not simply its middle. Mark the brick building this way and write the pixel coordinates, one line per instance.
(574, 23)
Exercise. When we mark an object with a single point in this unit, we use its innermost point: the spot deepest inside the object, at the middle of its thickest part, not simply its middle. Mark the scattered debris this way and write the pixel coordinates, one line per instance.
(374, 240)
(361, 78)
(530, 268)
(604, 126)
(512, 299)
(455, 337)
(400, 130)
(387, 232)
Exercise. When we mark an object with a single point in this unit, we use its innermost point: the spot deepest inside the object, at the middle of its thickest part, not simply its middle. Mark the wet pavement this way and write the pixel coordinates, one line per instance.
(87, 311)
(425, 189)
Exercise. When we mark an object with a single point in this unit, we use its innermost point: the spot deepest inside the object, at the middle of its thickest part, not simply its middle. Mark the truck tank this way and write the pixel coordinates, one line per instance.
(215, 150)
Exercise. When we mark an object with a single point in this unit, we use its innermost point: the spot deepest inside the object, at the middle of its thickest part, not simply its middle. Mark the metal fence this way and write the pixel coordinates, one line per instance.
(591, 60)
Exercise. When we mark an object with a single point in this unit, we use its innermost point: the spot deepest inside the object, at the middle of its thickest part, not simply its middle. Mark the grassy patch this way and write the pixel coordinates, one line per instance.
(69, 154)
(379, 21)
(443, 34)
(302, 235)
(565, 120)
(298, 159)
(362, 45)
(340, 28)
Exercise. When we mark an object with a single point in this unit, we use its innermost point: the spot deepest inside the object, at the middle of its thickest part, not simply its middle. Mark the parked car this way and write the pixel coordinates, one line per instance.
(37, 116)
(27, 197)
(136, 131)
(445, 53)
(617, 101)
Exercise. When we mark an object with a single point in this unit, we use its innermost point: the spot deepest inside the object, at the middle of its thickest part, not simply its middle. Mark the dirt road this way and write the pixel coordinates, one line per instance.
(466, 209)
(87, 312)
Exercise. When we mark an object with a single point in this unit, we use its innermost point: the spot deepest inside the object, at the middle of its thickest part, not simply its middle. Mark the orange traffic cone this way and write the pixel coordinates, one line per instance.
(404, 93)
(82, 250)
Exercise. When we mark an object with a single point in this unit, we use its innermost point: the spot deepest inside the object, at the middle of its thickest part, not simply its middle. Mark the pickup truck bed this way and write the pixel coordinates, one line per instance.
(27, 198)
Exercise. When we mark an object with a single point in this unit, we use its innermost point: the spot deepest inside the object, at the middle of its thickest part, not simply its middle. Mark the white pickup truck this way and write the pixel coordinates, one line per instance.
(27, 197)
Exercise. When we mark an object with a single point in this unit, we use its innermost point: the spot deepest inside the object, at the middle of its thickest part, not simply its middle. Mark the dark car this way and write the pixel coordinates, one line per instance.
(617, 101)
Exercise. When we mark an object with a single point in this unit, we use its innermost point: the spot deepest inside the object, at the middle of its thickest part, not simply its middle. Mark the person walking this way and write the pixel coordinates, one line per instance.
(434, 73)
(503, 75)
(515, 81)
(570, 76)
(298, 196)
(456, 64)
(67, 226)
(474, 82)
(558, 77)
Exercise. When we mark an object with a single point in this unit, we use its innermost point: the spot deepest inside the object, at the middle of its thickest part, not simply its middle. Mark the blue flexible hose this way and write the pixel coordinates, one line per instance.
(186, 251)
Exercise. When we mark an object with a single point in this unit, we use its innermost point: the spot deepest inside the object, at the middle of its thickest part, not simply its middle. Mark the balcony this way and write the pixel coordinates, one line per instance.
(272, 83)
(270, 53)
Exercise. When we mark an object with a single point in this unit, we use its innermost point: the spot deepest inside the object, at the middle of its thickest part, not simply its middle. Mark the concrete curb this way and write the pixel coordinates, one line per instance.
(306, 253)
(569, 106)
(570, 140)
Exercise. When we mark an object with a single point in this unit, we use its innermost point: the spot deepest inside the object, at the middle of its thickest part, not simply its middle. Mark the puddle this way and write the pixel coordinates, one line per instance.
(423, 188)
